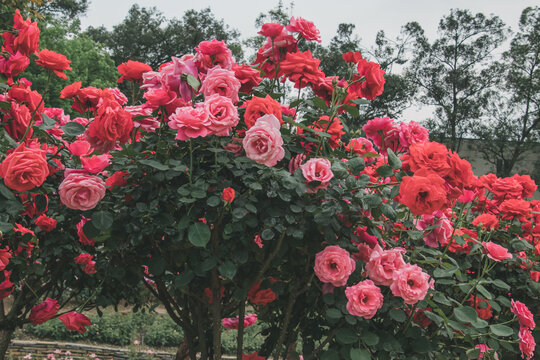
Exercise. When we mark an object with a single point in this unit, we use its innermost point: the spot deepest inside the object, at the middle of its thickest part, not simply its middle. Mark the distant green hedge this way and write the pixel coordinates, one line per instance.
(122, 329)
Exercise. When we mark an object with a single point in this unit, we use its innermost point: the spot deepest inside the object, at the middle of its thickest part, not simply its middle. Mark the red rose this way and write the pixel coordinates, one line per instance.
(248, 77)
(258, 107)
(24, 168)
(83, 239)
(488, 221)
(271, 30)
(301, 68)
(53, 61)
(335, 129)
(253, 356)
(259, 296)
(83, 259)
(515, 208)
(45, 223)
(14, 65)
(44, 312)
(228, 195)
(116, 179)
(483, 311)
(373, 85)
(6, 286)
(27, 39)
(423, 194)
(133, 70)
(5, 255)
(111, 124)
(75, 321)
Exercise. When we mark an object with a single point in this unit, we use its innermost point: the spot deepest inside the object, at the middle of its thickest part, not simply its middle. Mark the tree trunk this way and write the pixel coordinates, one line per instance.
(183, 351)
(5, 340)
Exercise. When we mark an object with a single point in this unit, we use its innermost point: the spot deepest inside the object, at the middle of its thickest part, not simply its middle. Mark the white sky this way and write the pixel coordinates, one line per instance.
(369, 16)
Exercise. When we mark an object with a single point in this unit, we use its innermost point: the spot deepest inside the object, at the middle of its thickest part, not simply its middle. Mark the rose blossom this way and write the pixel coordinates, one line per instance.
(232, 323)
(488, 221)
(263, 142)
(334, 265)
(45, 223)
(222, 82)
(304, 27)
(496, 252)
(24, 168)
(439, 235)
(228, 195)
(81, 191)
(364, 299)
(190, 122)
(317, 169)
(44, 312)
(484, 348)
(296, 162)
(411, 283)
(222, 114)
(411, 133)
(526, 344)
(75, 321)
(523, 313)
(383, 264)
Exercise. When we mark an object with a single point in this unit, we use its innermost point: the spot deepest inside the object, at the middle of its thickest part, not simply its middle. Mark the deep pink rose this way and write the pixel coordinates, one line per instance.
(334, 265)
(411, 283)
(190, 122)
(222, 82)
(75, 321)
(439, 235)
(296, 162)
(222, 114)
(81, 191)
(83, 239)
(411, 133)
(364, 299)
(96, 163)
(526, 343)
(523, 313)
(263, 142)
(483, 349)
(383, 264)
(317, 169)
(148, 123)
(385, 126)
(232, 323)
(306, 28)
(271, 30)
(496, 252)
(80, 148)
(44, 312)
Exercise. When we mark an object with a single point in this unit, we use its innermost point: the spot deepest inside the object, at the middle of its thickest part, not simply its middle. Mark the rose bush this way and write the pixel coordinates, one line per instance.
(221, 190)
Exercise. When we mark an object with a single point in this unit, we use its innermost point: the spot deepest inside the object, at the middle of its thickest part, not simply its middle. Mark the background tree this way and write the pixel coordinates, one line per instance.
(513, 125)
(454, 72)
(39, 9)
(146, 35)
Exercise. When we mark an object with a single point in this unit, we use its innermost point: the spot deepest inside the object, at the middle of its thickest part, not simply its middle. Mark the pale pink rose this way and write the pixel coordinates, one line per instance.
(222, 113)
(410, 283)
(190, 122)
(232, 323)
(81, 191)
(148, 123)
(523, 313)
(334, 265)
(496, 252)
(364, 299)
(263, 142)
(411, 133)
(439, 235)
(483, 349)
(295, 162)
(317, 169)
(526, 343)
(222, 82)
(383, 264)
(96, 163)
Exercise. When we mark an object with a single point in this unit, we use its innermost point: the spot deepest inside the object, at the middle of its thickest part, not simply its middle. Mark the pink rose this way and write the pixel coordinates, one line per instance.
(212, 53)
(306, 28)
(411, 133)
(80, 232)
(44, 312)
(80, 148)
(222, 113)
(483, 349)
(263, 143)
(364, 299)
(222, 82)
(411, 283)
(317, 169)
(81, 191)
(96, 163)
(383, 264)
(523, 313)
(190, 122)
(75, 321)
(296, 162)
(496, 252)
(439, 235)
(526, 343)
(148, 123)
(232, 323)
(334, 265)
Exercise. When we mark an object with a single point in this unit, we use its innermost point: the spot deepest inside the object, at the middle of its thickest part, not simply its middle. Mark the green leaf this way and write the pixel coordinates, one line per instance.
(484, 292)
(48, 123)
(320, 103)
(227, 269)
(192, 81)
(339, 169)
(239, 213)
(5, 105)
(465, 314)
(346, 336)
(393, 160)
(102, 220)
(213, 201)
(370, 339)
(333, 314)
(356, 165)
(385, 171)
(360, 354)
(501, 330)
(7, 193)
(473, 353)
(398, 315)
(267, 234)
(199, 234)
(156, 265)
(501, 284)
(154, 164)
(5, 227)
(184, 278)
(73, 129)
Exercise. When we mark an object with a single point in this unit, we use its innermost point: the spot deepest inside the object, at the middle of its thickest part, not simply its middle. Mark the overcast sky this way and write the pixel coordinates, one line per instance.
(369, 16)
